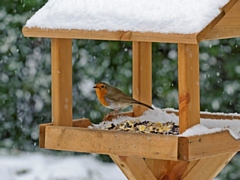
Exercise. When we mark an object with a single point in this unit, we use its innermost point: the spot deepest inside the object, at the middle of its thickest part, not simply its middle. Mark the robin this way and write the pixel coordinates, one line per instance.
(114, 98)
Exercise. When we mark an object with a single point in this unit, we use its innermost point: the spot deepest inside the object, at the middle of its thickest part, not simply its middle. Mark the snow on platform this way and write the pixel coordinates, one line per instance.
(165, 16)
(206, 126)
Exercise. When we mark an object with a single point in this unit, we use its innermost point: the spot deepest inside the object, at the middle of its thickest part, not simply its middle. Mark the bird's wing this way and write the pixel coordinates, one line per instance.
(118, 95)
(127, 99)
(123, 98)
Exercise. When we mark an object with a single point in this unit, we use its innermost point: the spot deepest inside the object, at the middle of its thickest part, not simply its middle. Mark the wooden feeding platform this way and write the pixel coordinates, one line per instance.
(138, 155)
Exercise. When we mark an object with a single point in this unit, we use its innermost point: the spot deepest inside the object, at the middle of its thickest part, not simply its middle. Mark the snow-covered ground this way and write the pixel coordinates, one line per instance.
(39, 166)
(43, 166)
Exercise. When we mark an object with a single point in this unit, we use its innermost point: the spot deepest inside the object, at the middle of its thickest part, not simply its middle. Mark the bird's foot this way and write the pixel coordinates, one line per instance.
(110, 115)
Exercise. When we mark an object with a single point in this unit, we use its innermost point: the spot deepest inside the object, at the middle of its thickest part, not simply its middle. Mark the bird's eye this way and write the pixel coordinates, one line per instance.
(102, 86)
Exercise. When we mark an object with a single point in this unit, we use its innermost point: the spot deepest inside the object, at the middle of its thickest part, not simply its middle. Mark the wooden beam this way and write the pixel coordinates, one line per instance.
(207, 168)
(110, 35)
(229, 25)
(165, 169)
(213, 116)
(202, 146)
(204, 168)
(142, 75)
(188, 86)
(123, 166)
(133, 167)
(62, 82)
(111, 142)
(210, 26)
(229, 6)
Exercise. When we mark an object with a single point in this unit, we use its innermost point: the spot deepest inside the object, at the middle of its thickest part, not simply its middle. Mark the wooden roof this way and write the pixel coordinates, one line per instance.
(225, 25)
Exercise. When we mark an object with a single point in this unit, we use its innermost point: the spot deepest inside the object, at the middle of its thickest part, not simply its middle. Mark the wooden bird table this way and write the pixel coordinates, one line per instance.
(143, 156)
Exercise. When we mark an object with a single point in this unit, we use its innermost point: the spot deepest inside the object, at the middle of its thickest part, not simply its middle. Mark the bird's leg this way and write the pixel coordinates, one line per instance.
(109, 115)
(114, 112)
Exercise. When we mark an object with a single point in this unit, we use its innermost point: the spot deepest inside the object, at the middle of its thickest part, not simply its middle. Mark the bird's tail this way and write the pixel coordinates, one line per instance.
(143, 104)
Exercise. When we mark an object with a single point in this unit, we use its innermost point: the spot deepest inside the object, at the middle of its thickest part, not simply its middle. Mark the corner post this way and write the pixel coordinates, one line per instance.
(142, 75)
(188, 85)
(61, 82)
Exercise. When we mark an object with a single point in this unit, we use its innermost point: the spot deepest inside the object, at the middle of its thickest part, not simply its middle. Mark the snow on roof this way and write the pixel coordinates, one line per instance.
(206, 126)
(165, 16)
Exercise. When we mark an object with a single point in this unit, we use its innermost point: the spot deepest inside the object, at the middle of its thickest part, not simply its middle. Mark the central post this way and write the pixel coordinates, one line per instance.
(188, 86)
(61, 82)
(142, 75)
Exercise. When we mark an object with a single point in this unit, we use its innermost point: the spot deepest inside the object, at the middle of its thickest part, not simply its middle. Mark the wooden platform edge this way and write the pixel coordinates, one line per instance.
(42, 133)
(83, 122)
(207, 145)
(111, 142)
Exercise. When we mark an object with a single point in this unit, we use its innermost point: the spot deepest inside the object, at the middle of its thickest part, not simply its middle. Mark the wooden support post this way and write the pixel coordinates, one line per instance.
(62, 82)
(188, 85)
(164, 169)
(133, 167)
(142, 75)
(206, 168)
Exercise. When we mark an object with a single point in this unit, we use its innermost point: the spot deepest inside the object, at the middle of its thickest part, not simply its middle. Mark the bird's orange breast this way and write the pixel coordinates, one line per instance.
(101, 96)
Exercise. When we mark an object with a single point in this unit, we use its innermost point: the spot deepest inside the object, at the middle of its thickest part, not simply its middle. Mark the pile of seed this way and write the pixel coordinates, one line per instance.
(146, 127)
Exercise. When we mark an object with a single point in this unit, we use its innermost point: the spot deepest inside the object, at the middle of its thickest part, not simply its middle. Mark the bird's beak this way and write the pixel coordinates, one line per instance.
(94, 86)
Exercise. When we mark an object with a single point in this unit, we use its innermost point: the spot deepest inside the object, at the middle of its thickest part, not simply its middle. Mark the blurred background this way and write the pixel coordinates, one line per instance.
(25, 79)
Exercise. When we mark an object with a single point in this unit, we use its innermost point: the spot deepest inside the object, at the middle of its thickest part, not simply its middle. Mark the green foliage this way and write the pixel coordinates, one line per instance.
(21, 6)
(23, 86)
(25, 77)
(220, 73)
